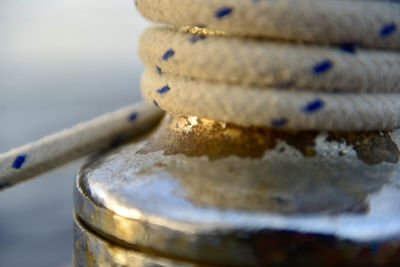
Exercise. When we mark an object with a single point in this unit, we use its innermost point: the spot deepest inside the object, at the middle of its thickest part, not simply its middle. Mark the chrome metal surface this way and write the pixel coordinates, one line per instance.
(92, 250)
(223, 208)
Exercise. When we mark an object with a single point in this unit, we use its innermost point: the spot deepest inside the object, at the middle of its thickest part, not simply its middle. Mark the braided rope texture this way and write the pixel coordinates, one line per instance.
(52, 151)
(367, 22)
(302, 64)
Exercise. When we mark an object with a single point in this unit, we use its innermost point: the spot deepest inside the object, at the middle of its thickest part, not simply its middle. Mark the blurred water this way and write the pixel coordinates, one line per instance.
(61, 61)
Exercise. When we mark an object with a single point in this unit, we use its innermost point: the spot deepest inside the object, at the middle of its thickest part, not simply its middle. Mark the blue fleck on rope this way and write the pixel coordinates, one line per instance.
(314, 106)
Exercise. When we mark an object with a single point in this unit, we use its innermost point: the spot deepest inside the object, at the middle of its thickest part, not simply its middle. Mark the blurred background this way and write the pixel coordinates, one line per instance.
(61, 62)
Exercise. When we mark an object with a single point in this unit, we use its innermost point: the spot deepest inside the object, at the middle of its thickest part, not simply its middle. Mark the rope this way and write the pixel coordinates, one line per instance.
(368, 23)
(271, 64)
(302, 64)
(57, 149)
(273, 107)
(230, 60)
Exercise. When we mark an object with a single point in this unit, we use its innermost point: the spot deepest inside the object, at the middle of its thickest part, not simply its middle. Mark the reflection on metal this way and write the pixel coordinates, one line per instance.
(93, 250)
(198, 191)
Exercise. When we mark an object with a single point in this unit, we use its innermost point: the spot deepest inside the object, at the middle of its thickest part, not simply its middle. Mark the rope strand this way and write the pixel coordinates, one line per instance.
(57, 149)
(369, 23)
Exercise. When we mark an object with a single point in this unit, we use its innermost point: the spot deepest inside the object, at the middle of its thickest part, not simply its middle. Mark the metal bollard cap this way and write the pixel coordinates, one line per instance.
(287, 205)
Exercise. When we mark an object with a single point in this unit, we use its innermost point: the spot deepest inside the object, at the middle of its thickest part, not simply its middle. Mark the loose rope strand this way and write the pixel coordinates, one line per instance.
(57, 149)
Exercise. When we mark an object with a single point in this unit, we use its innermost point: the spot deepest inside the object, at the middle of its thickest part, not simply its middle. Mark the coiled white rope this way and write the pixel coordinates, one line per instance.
(271, 64)
(303, 64)
(273, 107)
(300, 64)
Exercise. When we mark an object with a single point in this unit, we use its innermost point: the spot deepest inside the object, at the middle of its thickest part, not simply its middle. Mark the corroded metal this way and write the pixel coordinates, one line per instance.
(205, 192)
(193, 136)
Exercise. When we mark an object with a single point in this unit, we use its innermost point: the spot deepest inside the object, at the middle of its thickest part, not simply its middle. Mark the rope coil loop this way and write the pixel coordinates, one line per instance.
(300, 64)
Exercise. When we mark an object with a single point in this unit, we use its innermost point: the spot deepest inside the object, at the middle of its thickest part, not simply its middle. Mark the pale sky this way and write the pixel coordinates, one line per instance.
(78, 57)
(64, 49)
(42, 29)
